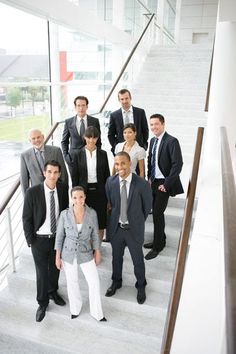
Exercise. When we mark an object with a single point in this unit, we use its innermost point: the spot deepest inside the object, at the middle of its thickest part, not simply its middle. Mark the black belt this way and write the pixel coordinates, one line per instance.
(46, 236)
(92, 186)
(124, 226)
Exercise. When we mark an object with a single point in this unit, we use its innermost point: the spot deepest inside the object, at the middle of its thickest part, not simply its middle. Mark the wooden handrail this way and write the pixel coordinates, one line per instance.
(209, 81)
(125, 64)
(17, 182)
(229, 207)
(182, 250)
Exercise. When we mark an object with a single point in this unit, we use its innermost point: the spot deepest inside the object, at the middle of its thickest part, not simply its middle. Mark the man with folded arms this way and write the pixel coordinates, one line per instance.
(42, 206)
(130, 201)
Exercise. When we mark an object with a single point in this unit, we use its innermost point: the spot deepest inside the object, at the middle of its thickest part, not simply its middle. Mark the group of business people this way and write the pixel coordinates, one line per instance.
(62, 236)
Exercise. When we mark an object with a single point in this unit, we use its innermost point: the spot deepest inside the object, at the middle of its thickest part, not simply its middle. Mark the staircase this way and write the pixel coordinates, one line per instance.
(173, 82)
(131, 328)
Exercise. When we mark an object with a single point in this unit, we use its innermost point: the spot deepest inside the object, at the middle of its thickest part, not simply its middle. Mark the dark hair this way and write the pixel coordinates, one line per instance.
(131, 126)
(123, 153)
(91, 132)
(159, 116)
(52, 163)
(83, 98)
(77, 188)
(123, 91)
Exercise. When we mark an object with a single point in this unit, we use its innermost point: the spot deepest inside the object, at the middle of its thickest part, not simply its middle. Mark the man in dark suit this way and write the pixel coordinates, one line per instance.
(127, 114)
(130, 199)
(42, 206)
(164, 166)
(32, 161)
(74, 128)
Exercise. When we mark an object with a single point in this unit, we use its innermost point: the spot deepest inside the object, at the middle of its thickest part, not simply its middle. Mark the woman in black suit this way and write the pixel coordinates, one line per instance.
(91, 170)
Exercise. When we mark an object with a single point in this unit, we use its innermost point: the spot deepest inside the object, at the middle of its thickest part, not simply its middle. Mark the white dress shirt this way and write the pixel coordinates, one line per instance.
(91, 165)
(78, 122)
(158, 173)
(130, 114)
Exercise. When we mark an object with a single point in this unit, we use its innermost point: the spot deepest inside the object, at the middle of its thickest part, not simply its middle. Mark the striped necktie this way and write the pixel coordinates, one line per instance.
(153, 160)
(53, 222)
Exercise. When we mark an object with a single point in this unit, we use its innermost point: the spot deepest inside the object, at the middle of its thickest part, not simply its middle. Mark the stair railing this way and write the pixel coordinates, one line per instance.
(182, 250)
(10, 223)
(125, 64)
(229, 223)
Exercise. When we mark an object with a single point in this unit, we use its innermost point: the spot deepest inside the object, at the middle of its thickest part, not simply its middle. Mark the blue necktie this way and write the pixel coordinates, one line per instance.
(153, 160)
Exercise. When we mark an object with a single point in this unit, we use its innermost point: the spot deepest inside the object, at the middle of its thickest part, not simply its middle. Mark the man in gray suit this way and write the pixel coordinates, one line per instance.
(130, 200)
(32, 161)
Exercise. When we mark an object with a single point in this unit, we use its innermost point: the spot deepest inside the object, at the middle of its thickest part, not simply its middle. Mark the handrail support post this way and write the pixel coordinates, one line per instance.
(10, 241)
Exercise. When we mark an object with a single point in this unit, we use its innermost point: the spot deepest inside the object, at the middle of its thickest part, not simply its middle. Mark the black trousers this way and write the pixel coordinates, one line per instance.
(47, 274)
(160, 201)
(119, 241)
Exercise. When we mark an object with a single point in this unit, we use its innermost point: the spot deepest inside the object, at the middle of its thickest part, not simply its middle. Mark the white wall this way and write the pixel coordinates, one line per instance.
(198, 21)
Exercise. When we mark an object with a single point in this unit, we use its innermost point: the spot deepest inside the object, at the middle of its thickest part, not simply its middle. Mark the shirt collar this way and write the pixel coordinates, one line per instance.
(48, 190)
(128, 178)
(79, 118)
(160, 136)
(129, 110)
(37, 150)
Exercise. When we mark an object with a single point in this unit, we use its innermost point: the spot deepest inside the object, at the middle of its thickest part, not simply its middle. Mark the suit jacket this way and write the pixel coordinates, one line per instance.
(30, 170)
(73, 244)
(139, 205)
(72, 141)
(80, 171)
(116, 125)
(170, 163)
(34, 209)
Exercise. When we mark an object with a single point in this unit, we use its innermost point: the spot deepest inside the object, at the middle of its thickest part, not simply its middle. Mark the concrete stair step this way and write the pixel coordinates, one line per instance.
(60, 332)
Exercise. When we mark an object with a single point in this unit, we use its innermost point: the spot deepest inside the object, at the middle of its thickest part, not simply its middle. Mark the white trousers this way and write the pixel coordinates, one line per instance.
(90, 272)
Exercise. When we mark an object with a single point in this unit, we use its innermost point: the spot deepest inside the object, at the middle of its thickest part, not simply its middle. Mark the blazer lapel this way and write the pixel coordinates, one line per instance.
(163, 140)
(35, 160)
(83, 162)
(131, 189)
(74, 126)
(121, 119)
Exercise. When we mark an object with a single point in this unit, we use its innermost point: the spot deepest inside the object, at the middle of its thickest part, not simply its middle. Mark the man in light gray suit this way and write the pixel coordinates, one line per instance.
(32, 161)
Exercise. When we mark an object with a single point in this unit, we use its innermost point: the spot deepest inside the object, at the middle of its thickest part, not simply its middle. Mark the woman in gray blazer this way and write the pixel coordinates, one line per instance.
(77, 243)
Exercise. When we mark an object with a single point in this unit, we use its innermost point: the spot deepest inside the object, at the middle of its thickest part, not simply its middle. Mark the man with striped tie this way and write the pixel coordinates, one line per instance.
(42, 206)
(164, 166)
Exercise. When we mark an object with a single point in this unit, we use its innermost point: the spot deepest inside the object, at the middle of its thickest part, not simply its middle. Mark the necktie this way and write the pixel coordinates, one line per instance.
(126, 117)
(153, 160)
(52, 213)
(82, 127)
(40, 159)
(123, 202)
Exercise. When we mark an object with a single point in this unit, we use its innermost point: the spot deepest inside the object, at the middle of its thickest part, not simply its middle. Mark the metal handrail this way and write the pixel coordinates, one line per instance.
(182, 250)
(125, 64)
(229, 221)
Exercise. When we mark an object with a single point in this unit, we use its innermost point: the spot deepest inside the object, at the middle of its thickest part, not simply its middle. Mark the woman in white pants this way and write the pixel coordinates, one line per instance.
(77, 243)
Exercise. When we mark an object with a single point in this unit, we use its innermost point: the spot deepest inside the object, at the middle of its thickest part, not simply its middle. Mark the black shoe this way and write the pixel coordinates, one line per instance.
(57, 299)
(141, 296)
(112, 290)
(148, 245)
(103, 319)
(40, 314)
(74, 316)
(151, 254)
